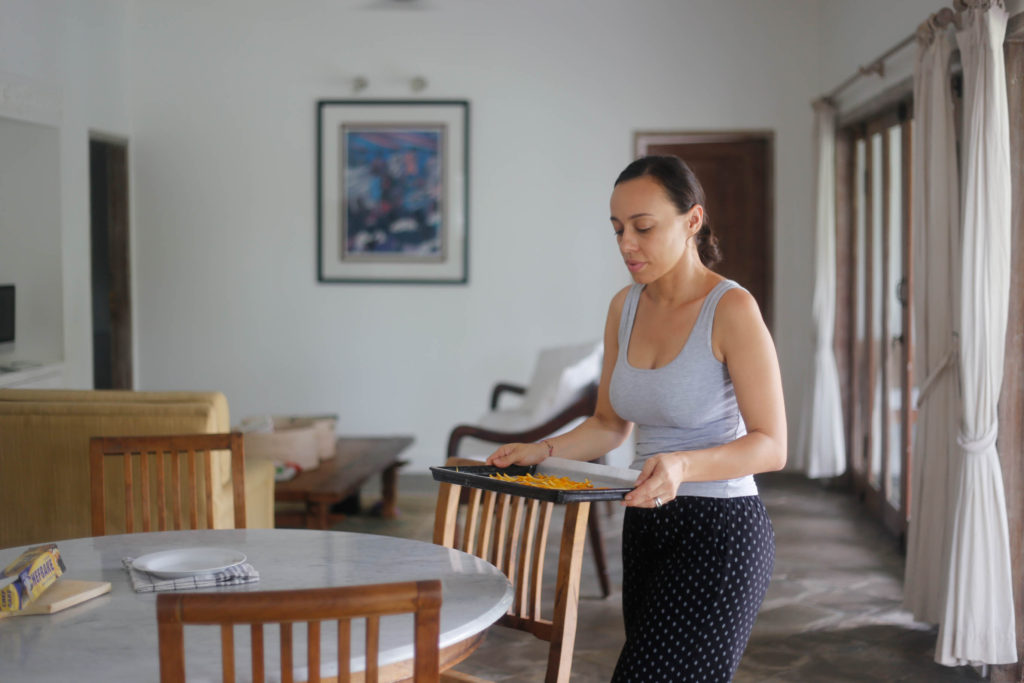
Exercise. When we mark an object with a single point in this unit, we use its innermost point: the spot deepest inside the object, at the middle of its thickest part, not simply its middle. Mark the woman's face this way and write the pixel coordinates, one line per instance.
(653, 236)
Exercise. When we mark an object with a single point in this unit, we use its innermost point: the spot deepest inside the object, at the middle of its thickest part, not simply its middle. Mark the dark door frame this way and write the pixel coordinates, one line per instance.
(113, 347)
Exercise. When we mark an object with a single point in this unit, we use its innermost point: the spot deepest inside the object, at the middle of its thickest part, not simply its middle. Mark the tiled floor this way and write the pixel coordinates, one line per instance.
(832, 612)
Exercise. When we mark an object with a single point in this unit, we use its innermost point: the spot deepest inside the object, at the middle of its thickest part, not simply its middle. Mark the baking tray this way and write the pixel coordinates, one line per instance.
(610, 483)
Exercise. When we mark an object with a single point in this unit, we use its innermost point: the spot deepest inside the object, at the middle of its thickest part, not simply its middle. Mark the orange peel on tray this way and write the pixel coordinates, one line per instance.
(544, 481)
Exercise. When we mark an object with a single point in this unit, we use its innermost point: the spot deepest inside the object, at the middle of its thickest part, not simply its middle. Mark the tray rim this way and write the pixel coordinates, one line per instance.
(471, 476)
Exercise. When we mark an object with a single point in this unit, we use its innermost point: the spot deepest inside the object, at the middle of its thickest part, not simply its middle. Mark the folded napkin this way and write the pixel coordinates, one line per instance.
(144, 582)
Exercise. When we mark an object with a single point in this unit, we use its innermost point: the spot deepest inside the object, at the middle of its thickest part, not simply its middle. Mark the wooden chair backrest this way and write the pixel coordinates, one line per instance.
(512, 532)
(583, 406)
(312, 606)
(159, 462)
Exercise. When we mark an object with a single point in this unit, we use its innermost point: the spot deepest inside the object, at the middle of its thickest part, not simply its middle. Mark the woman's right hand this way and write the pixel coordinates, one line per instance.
(518, 454)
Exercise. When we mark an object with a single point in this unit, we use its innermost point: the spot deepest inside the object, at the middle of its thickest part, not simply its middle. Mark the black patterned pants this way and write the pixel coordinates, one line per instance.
(695, 572)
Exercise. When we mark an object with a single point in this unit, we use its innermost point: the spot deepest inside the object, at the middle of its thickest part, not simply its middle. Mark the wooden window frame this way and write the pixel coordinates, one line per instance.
(860, 369)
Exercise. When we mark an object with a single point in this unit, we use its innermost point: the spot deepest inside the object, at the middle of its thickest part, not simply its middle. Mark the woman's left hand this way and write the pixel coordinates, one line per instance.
(658, 481)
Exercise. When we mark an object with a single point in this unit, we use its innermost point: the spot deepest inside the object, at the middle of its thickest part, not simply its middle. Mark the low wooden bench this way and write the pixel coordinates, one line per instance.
(355, 460)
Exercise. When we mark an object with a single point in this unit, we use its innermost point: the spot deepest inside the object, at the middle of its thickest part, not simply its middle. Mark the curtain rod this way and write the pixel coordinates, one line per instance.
(939, 20)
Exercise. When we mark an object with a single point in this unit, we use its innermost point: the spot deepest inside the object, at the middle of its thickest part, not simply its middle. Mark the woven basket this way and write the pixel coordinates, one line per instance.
(323, 426)
(296, 445)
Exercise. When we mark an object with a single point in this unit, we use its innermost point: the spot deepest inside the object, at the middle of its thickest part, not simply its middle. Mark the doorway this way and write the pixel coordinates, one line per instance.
(111, 273)
(735, 169)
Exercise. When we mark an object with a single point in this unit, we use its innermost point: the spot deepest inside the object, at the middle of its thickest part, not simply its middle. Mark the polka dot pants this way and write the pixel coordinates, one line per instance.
(695, 572)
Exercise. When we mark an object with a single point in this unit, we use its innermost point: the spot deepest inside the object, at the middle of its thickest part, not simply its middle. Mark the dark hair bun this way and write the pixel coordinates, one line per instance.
(707, 245)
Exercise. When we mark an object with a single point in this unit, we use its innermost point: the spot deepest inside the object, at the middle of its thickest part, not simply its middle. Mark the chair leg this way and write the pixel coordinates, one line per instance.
(570, 557)
(597, 546)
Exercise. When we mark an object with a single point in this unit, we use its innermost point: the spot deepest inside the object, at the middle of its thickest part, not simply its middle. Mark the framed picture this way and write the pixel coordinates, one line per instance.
(392, 191)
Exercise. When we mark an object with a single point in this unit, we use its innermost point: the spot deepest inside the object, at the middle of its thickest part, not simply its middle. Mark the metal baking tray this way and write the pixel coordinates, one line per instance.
(610, 483)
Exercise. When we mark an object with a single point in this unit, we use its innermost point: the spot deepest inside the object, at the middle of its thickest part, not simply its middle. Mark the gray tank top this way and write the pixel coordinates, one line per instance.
(685, 405)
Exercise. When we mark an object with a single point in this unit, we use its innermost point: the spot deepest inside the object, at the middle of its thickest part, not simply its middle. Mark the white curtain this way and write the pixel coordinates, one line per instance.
(822, 449)
(936, 239)
(978, 620)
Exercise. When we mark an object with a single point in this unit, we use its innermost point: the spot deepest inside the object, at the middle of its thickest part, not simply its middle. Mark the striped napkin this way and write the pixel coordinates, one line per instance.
(144, 582)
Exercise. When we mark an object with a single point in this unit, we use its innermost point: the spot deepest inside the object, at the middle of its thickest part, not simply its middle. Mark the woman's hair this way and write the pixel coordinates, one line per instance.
(684, 190)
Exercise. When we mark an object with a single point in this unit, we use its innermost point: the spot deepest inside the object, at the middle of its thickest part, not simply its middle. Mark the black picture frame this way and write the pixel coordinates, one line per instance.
(392, 191)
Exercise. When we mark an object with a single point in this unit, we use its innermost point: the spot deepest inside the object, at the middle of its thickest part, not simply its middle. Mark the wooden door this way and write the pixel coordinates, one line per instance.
(111, 272)
(736, 172)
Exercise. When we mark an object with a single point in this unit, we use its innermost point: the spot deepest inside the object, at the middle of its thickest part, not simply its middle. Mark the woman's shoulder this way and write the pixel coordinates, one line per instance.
(616, 307)
(737, 319)
(619, 300)
(736, 303)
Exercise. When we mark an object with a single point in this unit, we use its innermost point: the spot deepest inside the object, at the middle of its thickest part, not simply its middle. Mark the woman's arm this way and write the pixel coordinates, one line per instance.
(595, 436)
(741, 340)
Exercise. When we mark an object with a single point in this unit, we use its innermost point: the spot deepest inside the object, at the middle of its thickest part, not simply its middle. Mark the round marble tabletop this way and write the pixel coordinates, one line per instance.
(114, 637)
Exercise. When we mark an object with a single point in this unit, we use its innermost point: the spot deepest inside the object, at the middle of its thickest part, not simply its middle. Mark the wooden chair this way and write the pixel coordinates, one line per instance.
(583, 407)
(511, 532)
(312, 606)
(160, 462)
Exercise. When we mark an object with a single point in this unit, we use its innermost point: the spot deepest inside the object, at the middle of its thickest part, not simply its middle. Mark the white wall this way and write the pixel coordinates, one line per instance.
(30, 256)
(223, 101)
(74, 51)
(853, 34)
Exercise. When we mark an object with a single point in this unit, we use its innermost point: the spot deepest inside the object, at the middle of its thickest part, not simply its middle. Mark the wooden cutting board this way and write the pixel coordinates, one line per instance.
(62, 594)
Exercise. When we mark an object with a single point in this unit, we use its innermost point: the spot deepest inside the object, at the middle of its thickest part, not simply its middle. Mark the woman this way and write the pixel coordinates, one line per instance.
(688, 361)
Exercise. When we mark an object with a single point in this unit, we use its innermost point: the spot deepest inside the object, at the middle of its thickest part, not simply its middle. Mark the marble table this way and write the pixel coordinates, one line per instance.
(114, 637)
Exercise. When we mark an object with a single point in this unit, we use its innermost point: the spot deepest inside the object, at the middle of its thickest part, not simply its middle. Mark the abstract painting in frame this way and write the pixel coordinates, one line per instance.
(393, 181)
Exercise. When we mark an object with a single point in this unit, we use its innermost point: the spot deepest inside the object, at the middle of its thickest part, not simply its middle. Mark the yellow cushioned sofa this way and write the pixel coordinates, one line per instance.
(44, 455)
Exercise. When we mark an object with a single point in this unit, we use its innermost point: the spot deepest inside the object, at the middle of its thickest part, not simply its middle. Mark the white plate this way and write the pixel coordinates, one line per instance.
(173, 564)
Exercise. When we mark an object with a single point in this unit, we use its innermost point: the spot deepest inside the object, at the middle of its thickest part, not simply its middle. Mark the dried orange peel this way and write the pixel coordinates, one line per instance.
(544, 481)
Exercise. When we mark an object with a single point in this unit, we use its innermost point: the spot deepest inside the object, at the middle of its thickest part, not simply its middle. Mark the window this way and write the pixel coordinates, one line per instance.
(874, 288)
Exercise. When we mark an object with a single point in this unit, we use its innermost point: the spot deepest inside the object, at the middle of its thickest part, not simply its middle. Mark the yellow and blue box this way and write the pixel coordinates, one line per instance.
(29, 575)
